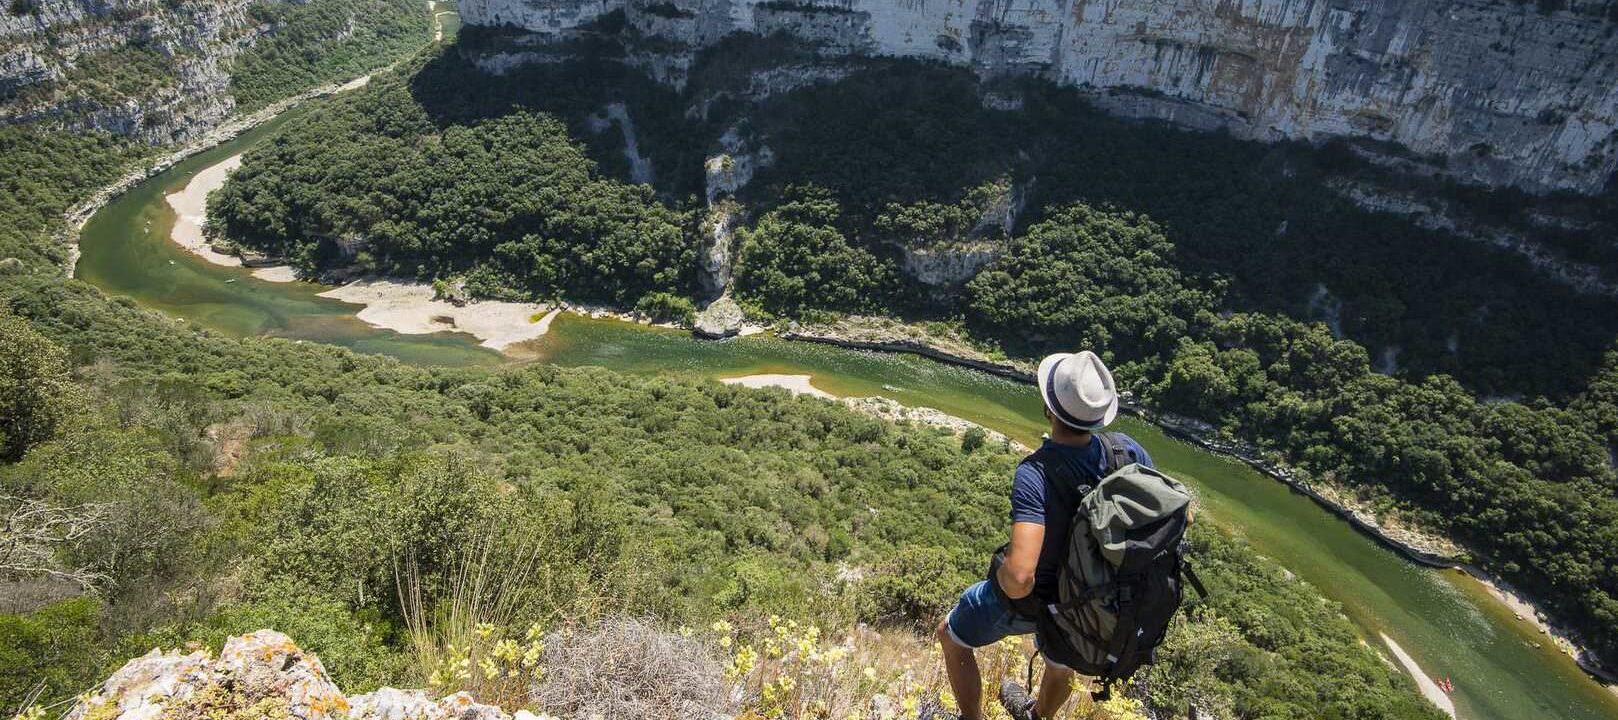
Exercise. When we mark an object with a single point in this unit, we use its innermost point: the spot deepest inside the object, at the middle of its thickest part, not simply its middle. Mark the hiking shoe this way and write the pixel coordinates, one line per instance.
(1016, 701)
(933, 710)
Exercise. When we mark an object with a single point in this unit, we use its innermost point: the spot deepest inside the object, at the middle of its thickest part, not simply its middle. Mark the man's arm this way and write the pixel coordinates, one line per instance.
(1016, 576)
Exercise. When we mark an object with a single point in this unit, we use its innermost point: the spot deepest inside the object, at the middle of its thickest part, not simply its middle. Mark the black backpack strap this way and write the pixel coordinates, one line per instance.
(1191, 575)
(1125, 641)
(1113, 449)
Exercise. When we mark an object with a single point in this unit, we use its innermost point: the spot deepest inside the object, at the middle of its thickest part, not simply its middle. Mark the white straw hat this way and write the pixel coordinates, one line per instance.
(1078, 390)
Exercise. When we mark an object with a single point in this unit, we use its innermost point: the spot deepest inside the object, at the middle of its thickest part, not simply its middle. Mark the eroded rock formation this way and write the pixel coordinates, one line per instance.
(82, 64)
(1495, 91)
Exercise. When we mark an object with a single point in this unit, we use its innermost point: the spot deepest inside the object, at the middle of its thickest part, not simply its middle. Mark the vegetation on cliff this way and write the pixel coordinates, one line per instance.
(320, 41)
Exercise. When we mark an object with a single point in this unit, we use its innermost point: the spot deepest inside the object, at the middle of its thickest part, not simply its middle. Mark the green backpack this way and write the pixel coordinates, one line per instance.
(1122, 580)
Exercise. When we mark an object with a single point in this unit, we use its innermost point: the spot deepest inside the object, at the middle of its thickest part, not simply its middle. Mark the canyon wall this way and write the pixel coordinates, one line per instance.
(158, 70)
(1494, 91)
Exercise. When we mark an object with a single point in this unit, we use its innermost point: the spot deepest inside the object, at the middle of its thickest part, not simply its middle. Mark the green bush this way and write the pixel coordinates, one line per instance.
(57, 650)
(665, 307)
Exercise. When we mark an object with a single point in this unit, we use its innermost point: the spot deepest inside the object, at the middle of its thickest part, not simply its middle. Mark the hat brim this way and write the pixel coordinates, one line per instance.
(1043, 376)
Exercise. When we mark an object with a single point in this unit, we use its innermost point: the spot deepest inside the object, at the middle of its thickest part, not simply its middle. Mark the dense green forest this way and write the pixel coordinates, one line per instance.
(548, 223)
(1260, 215)
(902, 140)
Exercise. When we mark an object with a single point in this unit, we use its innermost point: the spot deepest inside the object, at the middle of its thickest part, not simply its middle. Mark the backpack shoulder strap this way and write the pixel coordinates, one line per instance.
(1112, 447)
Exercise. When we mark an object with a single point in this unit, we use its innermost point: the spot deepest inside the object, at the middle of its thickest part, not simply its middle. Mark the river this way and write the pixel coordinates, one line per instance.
(1503, 668)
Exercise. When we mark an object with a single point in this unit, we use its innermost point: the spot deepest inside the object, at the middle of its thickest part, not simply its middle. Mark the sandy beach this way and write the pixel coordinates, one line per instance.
(190, 206)
(797, 384)
(1429, 688)
(875, 406)
(1527, 612)
(409, 308)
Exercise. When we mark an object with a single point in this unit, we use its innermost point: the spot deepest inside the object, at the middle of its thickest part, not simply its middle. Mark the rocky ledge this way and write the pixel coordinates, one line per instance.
(260, 674)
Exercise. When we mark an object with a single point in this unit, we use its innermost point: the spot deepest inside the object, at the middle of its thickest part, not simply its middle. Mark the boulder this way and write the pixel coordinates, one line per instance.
(266, 663)
(722, 318)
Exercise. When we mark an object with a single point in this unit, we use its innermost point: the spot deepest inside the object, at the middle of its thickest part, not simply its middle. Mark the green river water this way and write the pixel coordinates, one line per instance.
(1445, 619)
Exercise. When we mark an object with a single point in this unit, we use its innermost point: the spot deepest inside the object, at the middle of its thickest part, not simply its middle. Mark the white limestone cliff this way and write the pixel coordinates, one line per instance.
(1496, 91)
(44, 42)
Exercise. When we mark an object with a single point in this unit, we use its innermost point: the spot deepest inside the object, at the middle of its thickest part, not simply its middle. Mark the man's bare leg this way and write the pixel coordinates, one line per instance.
(965, 680)
(1054, 687)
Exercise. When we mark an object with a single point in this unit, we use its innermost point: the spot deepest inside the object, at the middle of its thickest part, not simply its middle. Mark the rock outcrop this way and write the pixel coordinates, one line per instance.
(722, 318)
(1493, 91)
(260, 674)
(156, 70)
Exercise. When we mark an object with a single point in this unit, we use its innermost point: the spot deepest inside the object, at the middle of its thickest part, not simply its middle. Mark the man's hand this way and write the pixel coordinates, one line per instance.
(1016, 574)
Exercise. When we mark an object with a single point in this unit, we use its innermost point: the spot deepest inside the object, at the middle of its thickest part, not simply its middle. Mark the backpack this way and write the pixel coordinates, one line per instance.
(1121, 582)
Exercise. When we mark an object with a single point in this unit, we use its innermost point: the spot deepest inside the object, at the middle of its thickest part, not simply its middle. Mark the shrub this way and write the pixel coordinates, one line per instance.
(667, 307)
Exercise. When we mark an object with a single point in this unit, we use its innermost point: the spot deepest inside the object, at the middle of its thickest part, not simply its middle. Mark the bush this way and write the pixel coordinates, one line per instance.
(914, 587)
(666, 307)
(57, 649)
(35, 391)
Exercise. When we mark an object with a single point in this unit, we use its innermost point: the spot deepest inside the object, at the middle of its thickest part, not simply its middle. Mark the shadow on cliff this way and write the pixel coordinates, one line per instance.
(579, 89)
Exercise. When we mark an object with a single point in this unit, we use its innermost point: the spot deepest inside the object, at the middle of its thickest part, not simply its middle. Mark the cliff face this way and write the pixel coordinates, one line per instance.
(1496, 91)
(153, 69)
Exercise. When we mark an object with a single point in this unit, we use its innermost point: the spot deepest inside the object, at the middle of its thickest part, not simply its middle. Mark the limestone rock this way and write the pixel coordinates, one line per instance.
(143, 686)
(392, 704)
(266, 663)
(197, 41)
(947, 266)
(260, 671)
(721, 319)
(1493, 92)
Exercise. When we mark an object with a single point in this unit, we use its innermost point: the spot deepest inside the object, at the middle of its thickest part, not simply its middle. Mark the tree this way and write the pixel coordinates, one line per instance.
(36, 393)
(795, 258)
(1089, 278)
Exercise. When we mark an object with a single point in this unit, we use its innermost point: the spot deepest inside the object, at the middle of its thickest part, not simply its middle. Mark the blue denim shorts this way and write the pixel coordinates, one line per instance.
(980, 618)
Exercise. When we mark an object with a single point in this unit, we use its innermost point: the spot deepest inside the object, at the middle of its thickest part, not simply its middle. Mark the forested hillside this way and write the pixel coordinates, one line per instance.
(249, 483)
(1167, 252)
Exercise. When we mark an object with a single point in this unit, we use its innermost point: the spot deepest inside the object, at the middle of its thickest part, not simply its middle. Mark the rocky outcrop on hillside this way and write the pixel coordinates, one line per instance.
(260, 674)
(1493, 91)
(157, 70)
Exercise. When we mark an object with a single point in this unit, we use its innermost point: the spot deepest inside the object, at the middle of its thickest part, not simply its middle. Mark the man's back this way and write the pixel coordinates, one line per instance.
(1047, 488)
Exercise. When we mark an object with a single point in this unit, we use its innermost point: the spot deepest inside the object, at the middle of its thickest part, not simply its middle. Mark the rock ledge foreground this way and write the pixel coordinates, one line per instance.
(260, 674)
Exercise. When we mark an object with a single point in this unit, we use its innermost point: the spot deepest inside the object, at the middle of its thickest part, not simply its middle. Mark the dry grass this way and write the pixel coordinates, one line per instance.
(786, 671)
(629, 668)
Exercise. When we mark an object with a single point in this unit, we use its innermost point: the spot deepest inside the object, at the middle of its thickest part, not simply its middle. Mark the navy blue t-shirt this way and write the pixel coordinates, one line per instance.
(1036, 499)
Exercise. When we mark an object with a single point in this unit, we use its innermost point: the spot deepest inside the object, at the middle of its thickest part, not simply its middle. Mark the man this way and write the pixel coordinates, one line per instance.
(1080, 399)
